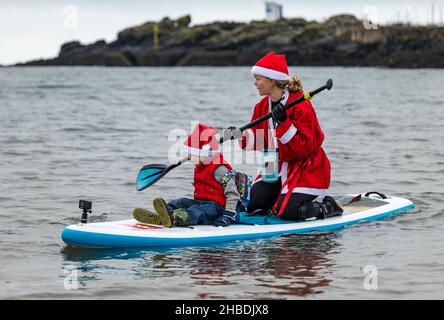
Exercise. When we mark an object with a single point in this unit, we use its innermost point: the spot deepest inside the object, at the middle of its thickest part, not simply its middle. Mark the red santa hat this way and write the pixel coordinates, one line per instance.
(202, 142)
(272, 66)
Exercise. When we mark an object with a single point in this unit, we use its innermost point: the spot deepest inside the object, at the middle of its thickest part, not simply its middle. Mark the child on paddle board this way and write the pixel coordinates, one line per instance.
(220, 192)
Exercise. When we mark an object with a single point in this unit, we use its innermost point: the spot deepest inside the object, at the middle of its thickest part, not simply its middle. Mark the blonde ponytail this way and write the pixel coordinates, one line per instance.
(294, 85)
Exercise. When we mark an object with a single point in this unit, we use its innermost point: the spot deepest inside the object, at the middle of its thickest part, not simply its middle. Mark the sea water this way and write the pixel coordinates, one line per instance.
(84, 132)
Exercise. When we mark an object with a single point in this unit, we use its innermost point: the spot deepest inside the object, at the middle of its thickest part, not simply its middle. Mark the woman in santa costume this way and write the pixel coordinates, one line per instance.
(294, 138)
(220, 193)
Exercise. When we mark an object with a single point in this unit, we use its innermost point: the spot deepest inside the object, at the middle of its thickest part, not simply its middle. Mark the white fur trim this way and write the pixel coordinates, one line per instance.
(283, 173)
(250, 140)
(199, 152)
(291, 132)
(312, 191)
(272, 144)
(273, 139)
(269, 73)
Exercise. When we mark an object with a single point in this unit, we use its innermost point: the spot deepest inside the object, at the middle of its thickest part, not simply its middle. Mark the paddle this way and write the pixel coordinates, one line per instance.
(152, 173)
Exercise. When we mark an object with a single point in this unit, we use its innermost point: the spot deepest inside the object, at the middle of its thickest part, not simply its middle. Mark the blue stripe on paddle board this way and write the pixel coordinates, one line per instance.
(100, 240)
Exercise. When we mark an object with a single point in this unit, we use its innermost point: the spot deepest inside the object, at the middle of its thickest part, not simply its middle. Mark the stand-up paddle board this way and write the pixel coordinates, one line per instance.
(130, 233)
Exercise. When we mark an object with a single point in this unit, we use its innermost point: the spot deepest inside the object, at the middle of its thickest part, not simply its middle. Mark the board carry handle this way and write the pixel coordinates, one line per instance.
(383, 196)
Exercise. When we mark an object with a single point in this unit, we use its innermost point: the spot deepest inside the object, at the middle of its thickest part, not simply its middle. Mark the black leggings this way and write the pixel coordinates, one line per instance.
(263, 195)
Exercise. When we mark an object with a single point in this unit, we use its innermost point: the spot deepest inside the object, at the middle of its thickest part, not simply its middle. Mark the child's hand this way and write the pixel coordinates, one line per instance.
(232, 133)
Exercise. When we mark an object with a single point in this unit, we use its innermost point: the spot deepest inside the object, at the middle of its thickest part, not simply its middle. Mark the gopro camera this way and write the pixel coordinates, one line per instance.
(86, 206)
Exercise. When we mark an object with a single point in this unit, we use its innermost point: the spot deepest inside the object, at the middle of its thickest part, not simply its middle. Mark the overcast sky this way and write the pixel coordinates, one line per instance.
(35, 29)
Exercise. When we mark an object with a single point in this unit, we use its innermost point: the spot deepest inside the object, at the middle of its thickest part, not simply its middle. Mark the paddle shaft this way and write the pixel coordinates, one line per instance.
(306, 96)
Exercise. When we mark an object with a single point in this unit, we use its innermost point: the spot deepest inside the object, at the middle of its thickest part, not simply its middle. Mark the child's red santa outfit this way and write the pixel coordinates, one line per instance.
(215, 197)
(203, 143)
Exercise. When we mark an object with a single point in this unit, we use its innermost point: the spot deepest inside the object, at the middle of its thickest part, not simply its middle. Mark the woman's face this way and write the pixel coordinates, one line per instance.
(264, 85)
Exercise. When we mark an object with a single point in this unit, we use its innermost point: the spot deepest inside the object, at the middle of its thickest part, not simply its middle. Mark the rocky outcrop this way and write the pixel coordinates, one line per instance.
(340, 41)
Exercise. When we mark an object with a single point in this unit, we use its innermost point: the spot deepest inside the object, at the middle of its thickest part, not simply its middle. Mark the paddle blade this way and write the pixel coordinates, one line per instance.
(149, 174)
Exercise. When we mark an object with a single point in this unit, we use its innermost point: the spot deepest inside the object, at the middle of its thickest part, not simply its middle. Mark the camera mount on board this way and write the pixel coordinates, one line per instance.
(86, 206)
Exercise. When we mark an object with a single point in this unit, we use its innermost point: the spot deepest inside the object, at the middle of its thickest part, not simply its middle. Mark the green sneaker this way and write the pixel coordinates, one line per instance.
(163, 212)
(180, 218)
(145, 216)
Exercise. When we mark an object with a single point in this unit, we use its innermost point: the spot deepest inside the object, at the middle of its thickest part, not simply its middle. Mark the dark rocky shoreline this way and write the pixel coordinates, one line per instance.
(339, 41)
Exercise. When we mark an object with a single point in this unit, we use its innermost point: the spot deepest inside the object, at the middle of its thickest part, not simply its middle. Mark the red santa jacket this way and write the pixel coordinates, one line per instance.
(303, 164)
(205, 186)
